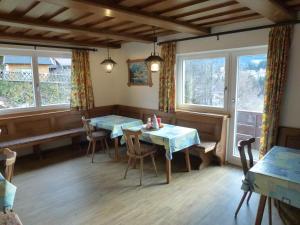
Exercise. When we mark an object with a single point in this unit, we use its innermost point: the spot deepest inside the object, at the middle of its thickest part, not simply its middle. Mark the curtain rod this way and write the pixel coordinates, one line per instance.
(232, 31)
(46, 46)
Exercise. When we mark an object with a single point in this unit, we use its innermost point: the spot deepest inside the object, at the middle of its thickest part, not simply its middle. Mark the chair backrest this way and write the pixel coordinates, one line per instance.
(87, 126)
(9, 163)
(132, 142)
(241, 148)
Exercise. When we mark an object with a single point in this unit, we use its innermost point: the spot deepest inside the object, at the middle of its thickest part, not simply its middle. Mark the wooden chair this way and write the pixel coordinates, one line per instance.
(246, 168)
(9, 163)
(93, 136)
(136, 150)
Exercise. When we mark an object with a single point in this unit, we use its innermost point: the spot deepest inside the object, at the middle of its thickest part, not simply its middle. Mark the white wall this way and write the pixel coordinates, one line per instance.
(103, 83)
(290, 114)
(147, 97)
(113, 89)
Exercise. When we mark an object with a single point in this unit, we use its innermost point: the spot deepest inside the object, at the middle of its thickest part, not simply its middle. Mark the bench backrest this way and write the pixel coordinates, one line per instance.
(209, 125)
(21, 126)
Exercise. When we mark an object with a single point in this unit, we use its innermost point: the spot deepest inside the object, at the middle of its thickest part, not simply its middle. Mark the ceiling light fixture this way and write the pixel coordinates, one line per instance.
(108, 63)
(154, 61)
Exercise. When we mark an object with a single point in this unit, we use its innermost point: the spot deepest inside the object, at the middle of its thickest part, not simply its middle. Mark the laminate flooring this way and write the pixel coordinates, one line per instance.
(64, 188)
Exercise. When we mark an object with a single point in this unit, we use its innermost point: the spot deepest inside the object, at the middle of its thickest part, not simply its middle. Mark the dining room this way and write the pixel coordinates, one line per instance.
(150, 112)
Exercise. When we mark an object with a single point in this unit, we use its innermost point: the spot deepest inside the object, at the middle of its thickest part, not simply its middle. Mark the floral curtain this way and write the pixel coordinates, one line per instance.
(276, 75)
(82, 97)
(167, 78)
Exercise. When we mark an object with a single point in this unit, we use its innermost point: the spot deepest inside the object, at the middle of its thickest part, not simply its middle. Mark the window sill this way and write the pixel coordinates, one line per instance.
(19, 112)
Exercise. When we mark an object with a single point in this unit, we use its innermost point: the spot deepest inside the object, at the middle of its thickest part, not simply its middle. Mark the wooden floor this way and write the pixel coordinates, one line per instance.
(65, 188)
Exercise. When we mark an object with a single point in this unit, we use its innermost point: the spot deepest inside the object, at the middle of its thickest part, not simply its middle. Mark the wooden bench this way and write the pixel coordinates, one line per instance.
(36, 141)
(24, 130)
(212, 130)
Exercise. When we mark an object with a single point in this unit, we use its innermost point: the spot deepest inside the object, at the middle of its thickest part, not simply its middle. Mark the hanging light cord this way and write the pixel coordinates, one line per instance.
(154, 39)
(108, 53)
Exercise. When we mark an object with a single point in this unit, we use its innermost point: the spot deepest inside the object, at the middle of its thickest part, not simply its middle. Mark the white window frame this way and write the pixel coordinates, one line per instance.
(34, 54)
(180, 82)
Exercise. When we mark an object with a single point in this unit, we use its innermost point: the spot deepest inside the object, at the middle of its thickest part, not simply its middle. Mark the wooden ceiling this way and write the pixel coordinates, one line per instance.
(113, 22)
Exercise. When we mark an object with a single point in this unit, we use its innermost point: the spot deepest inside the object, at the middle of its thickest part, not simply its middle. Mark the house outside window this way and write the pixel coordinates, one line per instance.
(32, 80)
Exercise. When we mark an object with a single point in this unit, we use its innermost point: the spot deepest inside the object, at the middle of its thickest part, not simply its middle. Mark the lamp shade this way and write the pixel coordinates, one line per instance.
(108, 64)
(154, 62)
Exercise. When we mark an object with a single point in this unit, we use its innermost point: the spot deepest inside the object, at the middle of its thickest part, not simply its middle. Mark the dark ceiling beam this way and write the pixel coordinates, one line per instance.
(274, 10)
(28, 23)
(105, 8)
(42, 40)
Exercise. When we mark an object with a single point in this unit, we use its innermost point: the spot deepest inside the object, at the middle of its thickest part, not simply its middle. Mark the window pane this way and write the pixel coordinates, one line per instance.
(251, 80)
(55, 80)
(16, 82)
(251, 73)
(204, 82)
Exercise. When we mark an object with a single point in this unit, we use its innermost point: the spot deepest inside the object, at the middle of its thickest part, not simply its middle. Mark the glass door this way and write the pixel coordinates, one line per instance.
(247, 100)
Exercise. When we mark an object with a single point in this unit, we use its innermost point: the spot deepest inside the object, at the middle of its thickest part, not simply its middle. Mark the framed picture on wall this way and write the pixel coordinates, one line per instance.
(138, 73)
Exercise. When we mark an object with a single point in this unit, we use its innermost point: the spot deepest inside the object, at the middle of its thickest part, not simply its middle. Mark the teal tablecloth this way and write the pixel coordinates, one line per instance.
(277, 175)
(115, 123)
(173, 138)
(7, 193)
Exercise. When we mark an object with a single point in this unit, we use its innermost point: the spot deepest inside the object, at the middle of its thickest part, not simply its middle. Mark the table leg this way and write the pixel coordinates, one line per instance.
(117, 153)
(187, 159)
(168, 170)
(260, 210)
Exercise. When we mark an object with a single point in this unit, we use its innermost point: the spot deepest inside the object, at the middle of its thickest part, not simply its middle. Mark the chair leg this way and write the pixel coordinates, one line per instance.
(106, 145)
(93, 152)
(249, 196)
(102, 145)
(134, 163)
(88, 149)
(154, 165)
(270, 210)
(141, 170)
(240, 204)
(128, 165)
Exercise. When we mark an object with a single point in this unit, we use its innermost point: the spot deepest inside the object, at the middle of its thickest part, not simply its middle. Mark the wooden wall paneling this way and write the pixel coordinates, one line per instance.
(101, 111)
(128, 111)
(34, 126)
(289, 137)
(67, 120)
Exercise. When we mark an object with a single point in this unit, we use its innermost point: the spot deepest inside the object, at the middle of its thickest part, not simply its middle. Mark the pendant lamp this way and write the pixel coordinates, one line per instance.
(108, 63)
(154, 61)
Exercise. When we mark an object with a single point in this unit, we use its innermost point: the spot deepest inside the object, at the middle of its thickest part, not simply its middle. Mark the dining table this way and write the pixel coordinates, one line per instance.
(114, 124)
(275, 176)
(173, 138)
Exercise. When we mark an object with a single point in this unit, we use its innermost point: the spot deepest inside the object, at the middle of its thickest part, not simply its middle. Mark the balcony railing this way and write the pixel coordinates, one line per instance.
(249, 125)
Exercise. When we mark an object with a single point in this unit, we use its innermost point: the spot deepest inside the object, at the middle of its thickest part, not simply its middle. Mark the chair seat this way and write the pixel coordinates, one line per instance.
(96, 135)
(207, 146)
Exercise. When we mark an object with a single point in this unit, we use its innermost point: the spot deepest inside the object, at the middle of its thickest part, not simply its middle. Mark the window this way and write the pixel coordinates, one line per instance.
(202, 81)
(55, 80)
(16, 82)
(31, 80)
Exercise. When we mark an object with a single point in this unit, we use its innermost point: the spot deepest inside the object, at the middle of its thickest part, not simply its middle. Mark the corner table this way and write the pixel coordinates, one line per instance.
(276, 175)
(115, 124)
